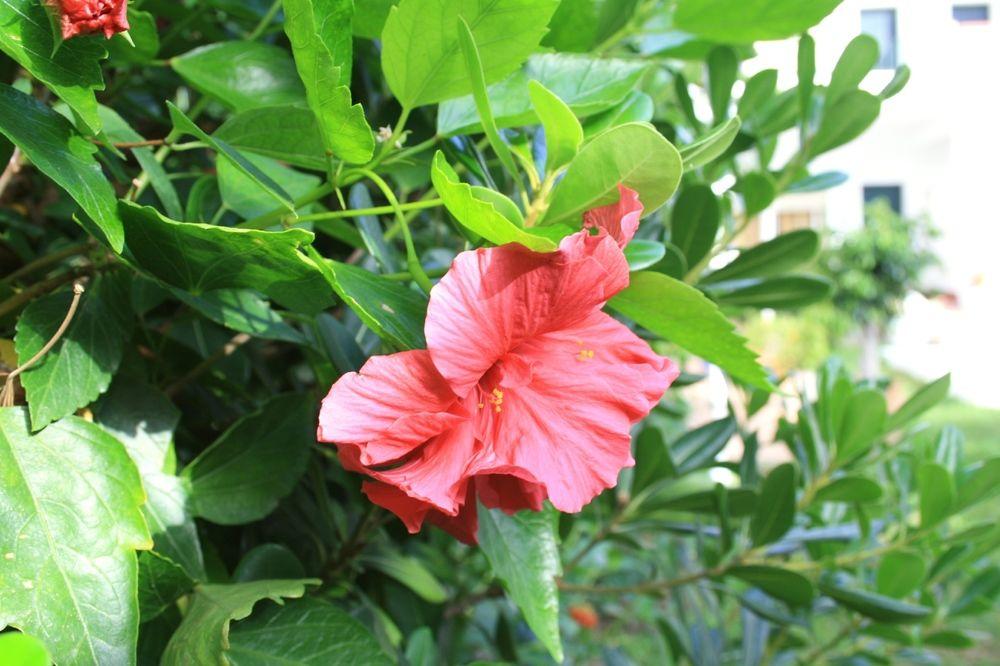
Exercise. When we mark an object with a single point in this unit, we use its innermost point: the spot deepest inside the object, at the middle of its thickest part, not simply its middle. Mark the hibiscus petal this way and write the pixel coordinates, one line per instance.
(619, 220)
(569, 428)
(392, 405)
(509, 491)
(494, 299)
(413, 512)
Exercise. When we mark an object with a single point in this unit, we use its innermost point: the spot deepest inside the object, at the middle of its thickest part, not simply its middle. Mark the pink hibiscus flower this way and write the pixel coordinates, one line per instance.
(526, 391)
(83, 17)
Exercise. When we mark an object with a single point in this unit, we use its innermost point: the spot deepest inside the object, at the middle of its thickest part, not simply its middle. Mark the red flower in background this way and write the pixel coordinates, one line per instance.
(526, 392)
(83, 17)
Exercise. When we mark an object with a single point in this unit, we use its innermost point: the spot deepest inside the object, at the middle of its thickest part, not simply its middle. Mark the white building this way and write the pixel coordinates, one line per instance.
(935, 149)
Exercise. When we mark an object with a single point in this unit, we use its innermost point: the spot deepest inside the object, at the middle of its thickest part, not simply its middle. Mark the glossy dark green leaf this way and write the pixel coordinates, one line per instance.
(242, 75)
(587, 85)
(73, 71)
(723, 66)
(268, 561)
(742, 502)
(698, 448)
(204, 634)
(773, 257)
(711, 145)
(161, 583)
(256, 462)
(693, 322)
(875, 606)
(245, 197)
(69, 527)
(55, 149)
(775, 512)
(953, 639)
(694, 222)
(634, 155)
(241, 310)
(789, 586)
(758, 192)
(201, 258)
(849, 489)
(937, 493)
(286, 133)
(652, 459)
(858, 58)
(145, 40)
(303, 632)
(863, 421)
(745, 21)
(79, 368)
(524, 554)
(845, 120)
(778, 293)
(926, 397)
(421, 58)
(409, 571)
(899, 573)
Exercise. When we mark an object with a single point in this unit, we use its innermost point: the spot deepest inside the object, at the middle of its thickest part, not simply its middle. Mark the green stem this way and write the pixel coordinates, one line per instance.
(376, 210)
(406, 275)
(390, 143)
(265, 21)
(270, 219)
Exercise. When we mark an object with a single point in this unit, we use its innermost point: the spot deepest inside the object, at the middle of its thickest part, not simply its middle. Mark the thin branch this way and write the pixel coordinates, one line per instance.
(227, 349)
(132, 144)
(18, 300)
(13, 166)
(46, 260)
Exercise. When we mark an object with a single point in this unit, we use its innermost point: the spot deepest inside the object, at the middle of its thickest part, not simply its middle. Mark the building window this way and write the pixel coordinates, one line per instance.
(971, 14)
(881, 24)
(891, 194)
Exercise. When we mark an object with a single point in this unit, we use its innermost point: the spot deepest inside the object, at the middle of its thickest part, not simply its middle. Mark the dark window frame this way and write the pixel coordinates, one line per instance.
(892, 193)
(971, 14)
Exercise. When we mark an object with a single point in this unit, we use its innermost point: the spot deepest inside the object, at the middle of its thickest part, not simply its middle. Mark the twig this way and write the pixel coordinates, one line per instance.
(13, 166)
(7, 393)
(19, 299)
(45, 261)
(132, 144)
(227, 349)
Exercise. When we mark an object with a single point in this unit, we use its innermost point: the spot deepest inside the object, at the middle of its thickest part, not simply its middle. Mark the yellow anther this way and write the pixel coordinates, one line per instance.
(498, 409)
(585, 354)
(481, 405)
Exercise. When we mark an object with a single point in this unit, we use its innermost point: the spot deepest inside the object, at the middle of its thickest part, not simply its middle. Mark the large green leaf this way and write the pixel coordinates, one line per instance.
(161, 583)
(723, 67)
(587, 85)
(143, 420)
(633, 154)
(303, 632)
(203, 637)
(478, 213)
(286, 133)
(929, 395)
(783, 584)
(79, 368)
(875, 606)
(256, 462)
(524, 554)
(242, 75)
(855, 62)
(694, 222)
(246, 198)
(69, 527)
(55, 149)
(242, 310)
(580, 25)
(395, 313)
(845, 120)
(421, 58)
(202, 257)
(900, 573)
(774, 257)
(849, 489)
(73, 71)
(785, 292)
(862, 422)
(745, 21)
(680, 313)
(343, 127)
(409, 571)
(775, 512)
(937, 493)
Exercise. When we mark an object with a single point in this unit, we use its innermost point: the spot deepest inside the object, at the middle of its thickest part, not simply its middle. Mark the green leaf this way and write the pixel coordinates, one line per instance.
(742, 502)
(937, 493)
(818, 183)
(745, 21)
(396, 314)
(268, 561)
(711, 145)
(563, 132)
(758, 89)
(256, 462)
(201, 258)
(758, 192)
(304, 631)
(184, 125)
(343, 127)
(70, 69)
(698, 448)
(875, 606)
(791, 587)
(582, 25)
(807, 76)
(652, 460)
(421, 648)
(723, 67)
(587, 85)
(775, 512)
(145, 40)
(862, 422)
(897, 83)
(778, 293)
(634, 154)
(55, 149)
(694, 222)
(642, 254)
(69, 527)
(979, 483)
(477, 213)
(242, 75)
(929, 395)
(845, 120)
(246, 198)
(204, 634)
(693, 322)
(80, 366)
(241, 310)
(161, 583)
(23, 650)
(774, 257)
(637, 107)
(953, 639)
(899, 573)
(285, 133)
(849, 489)
(421, 58)
(409, 571)
(855, 62)
(524, 554)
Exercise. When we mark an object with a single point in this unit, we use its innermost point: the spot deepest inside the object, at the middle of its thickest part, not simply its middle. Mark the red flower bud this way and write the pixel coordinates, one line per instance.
(83, 17)
(585, 616)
